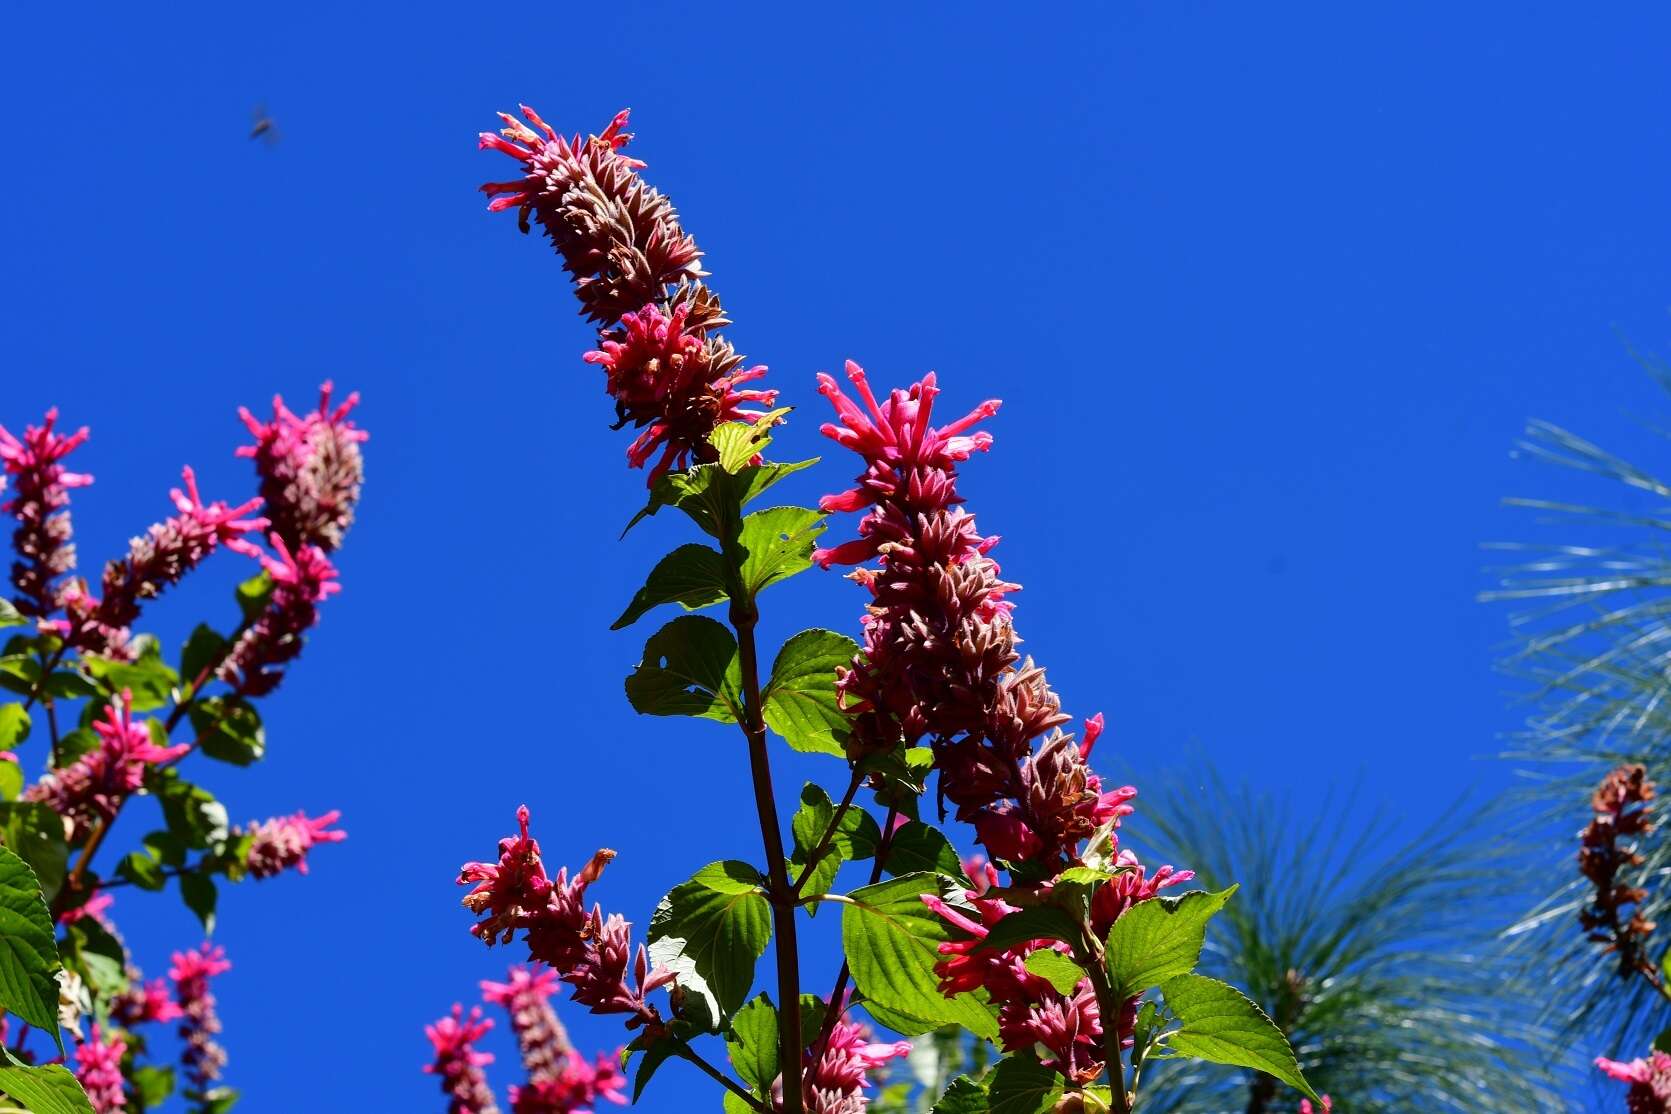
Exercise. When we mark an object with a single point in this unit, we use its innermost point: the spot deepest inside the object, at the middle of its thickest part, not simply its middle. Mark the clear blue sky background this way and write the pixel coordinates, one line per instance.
(1267, 294)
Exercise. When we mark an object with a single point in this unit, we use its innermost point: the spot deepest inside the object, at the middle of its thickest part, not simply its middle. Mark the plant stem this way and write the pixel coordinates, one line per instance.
(782, 894)
(829, 831)
(1109, 1007)
(688, 1053)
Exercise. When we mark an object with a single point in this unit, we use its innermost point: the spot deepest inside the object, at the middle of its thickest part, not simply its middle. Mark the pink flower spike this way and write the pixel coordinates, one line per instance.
(284, 841)
(41, 506)
(98, 1067)
(458, 1063)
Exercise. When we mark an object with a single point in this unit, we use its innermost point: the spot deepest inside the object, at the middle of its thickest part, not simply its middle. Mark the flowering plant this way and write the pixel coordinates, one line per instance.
(1053, 942)
(115, 708)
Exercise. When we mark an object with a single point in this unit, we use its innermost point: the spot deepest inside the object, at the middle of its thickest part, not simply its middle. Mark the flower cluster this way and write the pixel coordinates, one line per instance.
(458, 1063)
(40, 505)
(283, 842)
(636, 273)
(590, 952)
(94, 786)
(310, 468)
(835, 1077)
(1650, 1082)
(1622, 808)
(98, 1067)
(302, 580)
(939, 661)
(166, 552)
(540, 1036)
(199, 1024)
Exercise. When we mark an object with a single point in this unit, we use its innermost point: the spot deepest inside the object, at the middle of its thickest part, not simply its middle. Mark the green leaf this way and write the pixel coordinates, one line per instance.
(799, 701)
(778, 541)
(200, 896)
(253, 596)
(190, 811)
(692, 576)
(740, 442)
(1040, 922)
(752, 1043)
(10, 616)
(1157, 939)
(97, 956)
(1021, 1085)
(713, 497)
(856, 836)
(147, 677)
(918, 846)
(217, 1100)
(229, 730)
(1222, 1026)
(899, 1021)
(1057, 969)
(963, 1096)
(654, 1057)
(711, 930)
(142, 870)
(45, 1090)
(1142, 1030)
(14, 725)
(153, 1085)
(28, 948)
(734, 1104)
(66, 684)
(690, 668)
(204, 648)
(11, 780)
(74, 744)
(36, 834)
(892, 942)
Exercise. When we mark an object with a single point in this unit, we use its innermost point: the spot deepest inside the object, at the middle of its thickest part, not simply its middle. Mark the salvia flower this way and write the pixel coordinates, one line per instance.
(145, 1002)
(834, 1080)
(1325, 1105)
(282, 842)
(166, 552)
(576, 1088)
(302, 580)
(91, 789)
(95, 908)
(1622, 808)
(540, 1036)
(311, 469)
(40, 502)
(636, 273)
(1649, 1079)
(203, 1057)
(593, 953)
(98, 1067)
(458, 1063)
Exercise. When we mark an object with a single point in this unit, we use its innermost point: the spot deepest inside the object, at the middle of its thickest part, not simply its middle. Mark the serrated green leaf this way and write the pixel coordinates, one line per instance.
(690, 668)
(891, 940)
(147, 677)
(1040, 922)
(711, 930)
(799, 701)
(28, 948)
(19, 672)
(856, 836)
(752, 1043)
(97, 956)
(204, 648)
(45, 1090)
(1055, 968)
(692, 576)
(713, 497)
(905, 1024)
(142, 870)
(200, 896)
(1159, 938)
(14, 725)
(740, 442)
(778, 542)
(190, 811)
(36, 834)
(1222, 1025)
(918, 846)
(66, 684)
(1021, 1085)
(229, 730)
(962, 1096)
(10, 616)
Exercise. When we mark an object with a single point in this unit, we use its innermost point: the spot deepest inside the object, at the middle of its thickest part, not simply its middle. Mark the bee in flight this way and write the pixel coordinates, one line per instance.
(262, 127)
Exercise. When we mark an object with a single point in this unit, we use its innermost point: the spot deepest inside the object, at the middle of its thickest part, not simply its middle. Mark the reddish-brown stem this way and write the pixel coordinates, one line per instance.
(779, 890)
(829, 832)
(1109, 1006)
(688, 1053)
(833, 1013)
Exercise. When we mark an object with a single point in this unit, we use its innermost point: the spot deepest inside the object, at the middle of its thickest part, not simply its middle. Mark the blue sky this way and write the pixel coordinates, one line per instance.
(1267, 293)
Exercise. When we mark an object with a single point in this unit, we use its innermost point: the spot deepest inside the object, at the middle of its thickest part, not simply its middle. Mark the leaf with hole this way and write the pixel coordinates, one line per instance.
(690, 668)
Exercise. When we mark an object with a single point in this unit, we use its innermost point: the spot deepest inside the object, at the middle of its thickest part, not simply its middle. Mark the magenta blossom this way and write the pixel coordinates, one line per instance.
(98, 1067)
(311, 469)
(203, 1056)
(41, 506)
(284, 841)
(835, 1080)
(302, 580)
(458, 1063)
(95, 908)
(576, 1088)
(93, 787)
(145, 1002)
(1650, 1082)
(540, 1036)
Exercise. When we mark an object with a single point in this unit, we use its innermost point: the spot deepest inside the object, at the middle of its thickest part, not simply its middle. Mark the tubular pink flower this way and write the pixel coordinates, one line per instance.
(284, 841)
(94, 786)
(835, 1081)
(575, 1089)
(98, 1067)
(41, 506)
(589, 951)
(458, 1063)
(95, 908)
(202, 1057)
(540, 1036)
(637, 276)
(1649, 1079)
(145, 1002)
(302, 580)
(1325, 1106)
(168, 551)
(311, 469)
(1607, 856)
